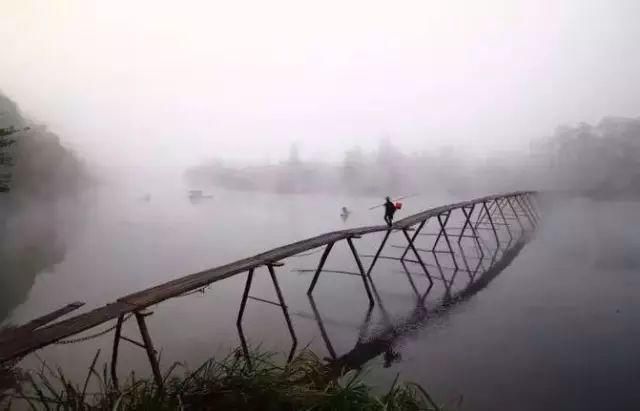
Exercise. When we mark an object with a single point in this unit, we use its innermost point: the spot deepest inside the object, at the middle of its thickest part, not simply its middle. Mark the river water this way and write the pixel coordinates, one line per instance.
(551, 325)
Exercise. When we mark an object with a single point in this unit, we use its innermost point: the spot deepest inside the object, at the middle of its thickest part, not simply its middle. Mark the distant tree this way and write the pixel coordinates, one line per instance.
(5, 157)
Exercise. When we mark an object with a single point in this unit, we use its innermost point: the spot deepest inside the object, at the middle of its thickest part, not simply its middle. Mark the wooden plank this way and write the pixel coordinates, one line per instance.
(194, 281)
(39, 338)
(15, 332)
(52, 316)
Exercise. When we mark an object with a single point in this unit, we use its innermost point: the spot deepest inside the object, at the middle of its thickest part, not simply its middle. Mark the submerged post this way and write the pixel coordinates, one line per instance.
(413, 238)
(493, 227)
(424, 267)
(375, 257)
(245, 296)
(504, 220)
(515, 213)
(446, 237)
(114, 353)
(467, 220)
(361, 268)
(285, 311)
(442, 230)
(323, 259)
(144, 332)
(527, 211)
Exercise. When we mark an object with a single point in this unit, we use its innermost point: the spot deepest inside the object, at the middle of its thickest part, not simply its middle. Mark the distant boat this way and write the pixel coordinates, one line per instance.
(197, 195)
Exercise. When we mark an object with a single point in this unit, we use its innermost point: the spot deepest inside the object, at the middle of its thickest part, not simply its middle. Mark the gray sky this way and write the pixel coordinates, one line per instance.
(177, 82)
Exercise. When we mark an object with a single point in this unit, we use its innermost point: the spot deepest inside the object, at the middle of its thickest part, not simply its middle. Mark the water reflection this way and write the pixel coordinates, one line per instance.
(383, 338)
(31, 244)
(384, 341)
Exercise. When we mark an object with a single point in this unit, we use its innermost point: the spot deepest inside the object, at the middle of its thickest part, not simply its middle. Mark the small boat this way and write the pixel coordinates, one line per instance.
(197, 195)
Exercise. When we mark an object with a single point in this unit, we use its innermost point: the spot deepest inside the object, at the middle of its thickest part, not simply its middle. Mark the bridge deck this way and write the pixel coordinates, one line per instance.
(47, 335)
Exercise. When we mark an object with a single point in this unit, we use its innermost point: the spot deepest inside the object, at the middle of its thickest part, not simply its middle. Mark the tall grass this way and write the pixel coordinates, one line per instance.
(231, 383)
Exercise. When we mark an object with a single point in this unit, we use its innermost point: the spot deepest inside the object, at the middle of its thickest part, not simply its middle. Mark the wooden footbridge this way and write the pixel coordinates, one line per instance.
(515, 209)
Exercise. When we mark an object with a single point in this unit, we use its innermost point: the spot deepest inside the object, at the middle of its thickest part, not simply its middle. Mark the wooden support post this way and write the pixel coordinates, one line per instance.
(323, 330)
(527, 211)
(435, 243)
(535, 204)
(446, 237)
(325, 254)
(466, 263)
(114, 352)
(361, 268)
(285, 311)
(506, 223)
(527, 199)
(516, 214)
(483, 213)
(155, 367)
(442, 277)
(408, 273)
(493, 227)
(424, 267)
(467, 216)
(243, 345)
(476, 235)
(413, 238)
(245, 296)
(375, 257)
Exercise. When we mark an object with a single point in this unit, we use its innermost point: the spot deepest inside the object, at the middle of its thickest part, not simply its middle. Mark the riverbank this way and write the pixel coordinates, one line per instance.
(237, 382)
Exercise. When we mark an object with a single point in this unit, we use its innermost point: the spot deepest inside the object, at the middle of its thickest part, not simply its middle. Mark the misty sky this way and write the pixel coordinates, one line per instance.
(179, 82)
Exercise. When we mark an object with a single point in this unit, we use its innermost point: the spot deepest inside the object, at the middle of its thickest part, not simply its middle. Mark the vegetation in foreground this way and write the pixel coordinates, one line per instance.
(233, 383)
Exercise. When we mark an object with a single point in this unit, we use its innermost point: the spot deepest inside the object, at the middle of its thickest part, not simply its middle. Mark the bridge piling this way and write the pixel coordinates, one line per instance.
(413, 238)
(515, 213)
(153, 360)
(375, 257)
(361, 268)
(419, 259)
(467, 221)
(493, 227)
(323, 259)
(285, 310)
(446, 237)
(114, 352)
(506, 223)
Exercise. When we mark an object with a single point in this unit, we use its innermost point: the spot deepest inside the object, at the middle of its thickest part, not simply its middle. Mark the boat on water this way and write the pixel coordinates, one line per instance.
(198, 195)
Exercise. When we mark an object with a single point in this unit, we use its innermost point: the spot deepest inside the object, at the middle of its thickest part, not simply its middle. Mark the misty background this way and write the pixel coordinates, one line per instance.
(283, 112)
(158, 83)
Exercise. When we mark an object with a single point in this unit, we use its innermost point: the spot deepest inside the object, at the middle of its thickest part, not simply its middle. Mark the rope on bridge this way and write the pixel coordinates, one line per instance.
(90, 337)
(101, 333)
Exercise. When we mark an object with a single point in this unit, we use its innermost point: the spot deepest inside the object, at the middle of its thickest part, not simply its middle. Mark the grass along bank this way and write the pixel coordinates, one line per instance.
(232, 383)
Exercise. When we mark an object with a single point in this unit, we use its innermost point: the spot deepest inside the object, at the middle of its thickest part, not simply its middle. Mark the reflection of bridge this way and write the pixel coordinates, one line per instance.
(495, 215)
(388, 337)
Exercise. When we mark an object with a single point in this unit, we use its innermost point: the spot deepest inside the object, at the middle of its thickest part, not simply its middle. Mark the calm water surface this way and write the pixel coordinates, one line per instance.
(553, 325)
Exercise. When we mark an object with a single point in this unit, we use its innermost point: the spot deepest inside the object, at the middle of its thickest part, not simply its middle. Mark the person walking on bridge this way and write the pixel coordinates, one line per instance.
(389, 211)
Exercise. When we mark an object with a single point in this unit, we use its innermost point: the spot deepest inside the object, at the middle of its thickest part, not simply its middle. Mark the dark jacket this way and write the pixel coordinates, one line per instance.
(389, 208)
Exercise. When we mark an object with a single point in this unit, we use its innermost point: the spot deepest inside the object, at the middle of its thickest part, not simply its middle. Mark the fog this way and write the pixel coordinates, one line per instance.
(157, 139)
(162, 83)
